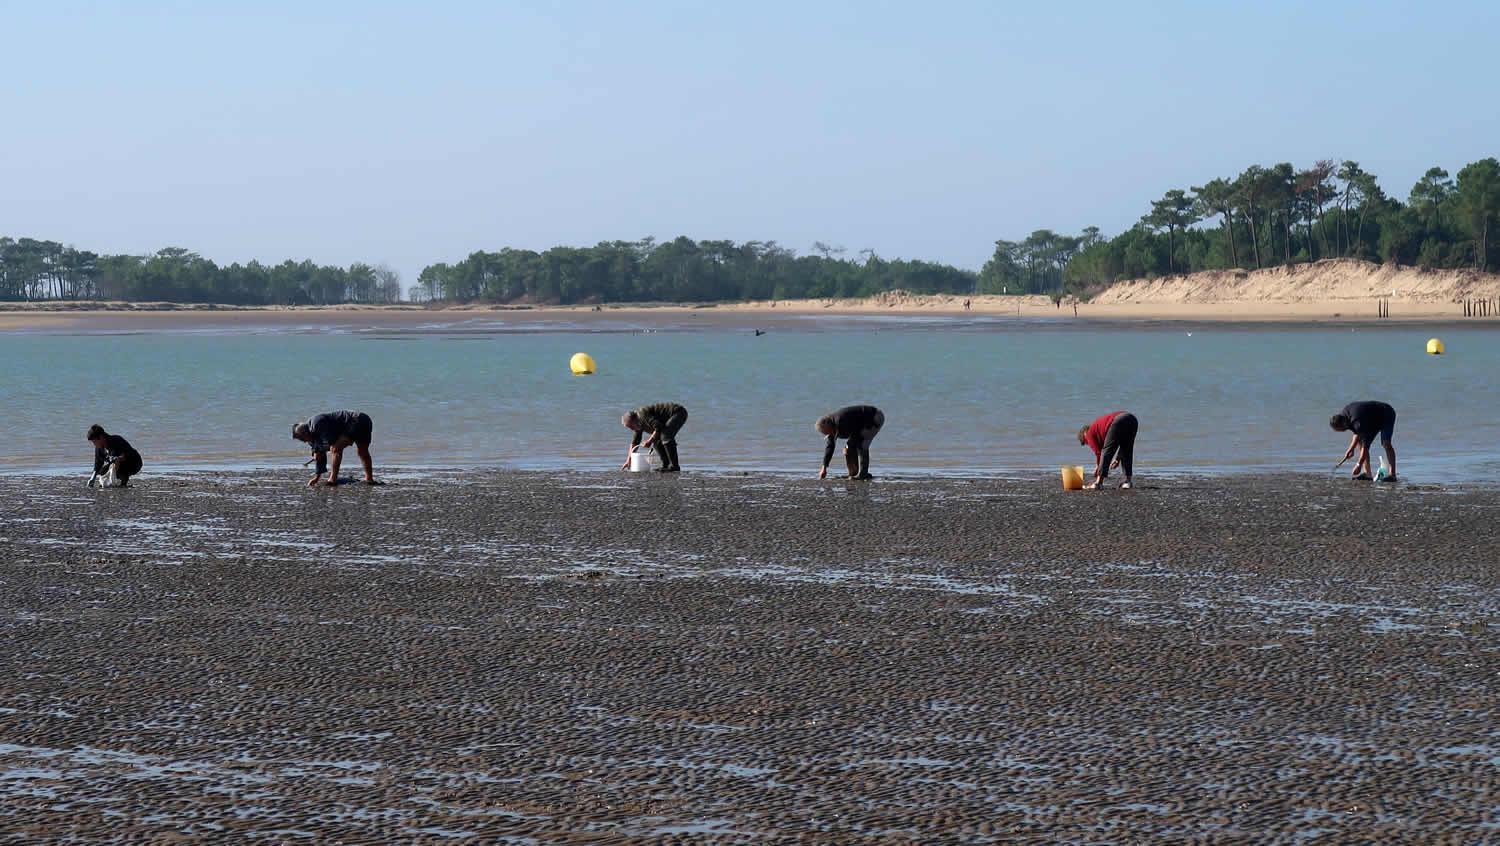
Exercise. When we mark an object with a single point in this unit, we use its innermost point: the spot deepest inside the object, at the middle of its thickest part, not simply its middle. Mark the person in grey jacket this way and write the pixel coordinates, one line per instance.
(334, 432)
(662, 420)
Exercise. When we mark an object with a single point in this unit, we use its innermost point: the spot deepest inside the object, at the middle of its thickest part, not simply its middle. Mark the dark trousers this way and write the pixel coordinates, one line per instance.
(665, 444)
(362, 431)
(1119, 439)
(126, 466)
(857, 456)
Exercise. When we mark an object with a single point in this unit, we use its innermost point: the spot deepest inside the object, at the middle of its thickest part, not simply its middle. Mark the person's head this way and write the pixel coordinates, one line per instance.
(1083, 436)
(631, 421)
(302, 432)
(825, 426)
(96, 435)
(1339, 422)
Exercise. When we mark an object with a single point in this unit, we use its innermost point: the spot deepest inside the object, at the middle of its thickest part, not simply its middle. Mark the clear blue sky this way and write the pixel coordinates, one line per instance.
(388, 132)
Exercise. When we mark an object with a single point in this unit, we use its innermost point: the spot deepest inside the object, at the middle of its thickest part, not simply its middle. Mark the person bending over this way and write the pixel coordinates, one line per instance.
(1366, 420)
(1112, 438)
(333, 432)
(659, 423)
(859, 424)
(114, 452)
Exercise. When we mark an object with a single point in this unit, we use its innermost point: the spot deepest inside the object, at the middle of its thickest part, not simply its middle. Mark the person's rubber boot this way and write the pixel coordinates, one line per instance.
(674, 467)
(663, 463)
(851, 463)
(864, 467)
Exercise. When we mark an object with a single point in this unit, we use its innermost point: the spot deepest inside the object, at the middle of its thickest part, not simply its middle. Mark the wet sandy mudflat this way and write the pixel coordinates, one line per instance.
(529, 658)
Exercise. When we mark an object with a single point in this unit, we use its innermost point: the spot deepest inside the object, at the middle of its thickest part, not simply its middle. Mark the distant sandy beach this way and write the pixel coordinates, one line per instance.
(760, 314)
(1320, 292)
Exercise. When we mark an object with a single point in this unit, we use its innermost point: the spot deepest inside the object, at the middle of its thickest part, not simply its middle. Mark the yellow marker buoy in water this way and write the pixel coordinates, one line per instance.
(581, 364)
(1434, 347)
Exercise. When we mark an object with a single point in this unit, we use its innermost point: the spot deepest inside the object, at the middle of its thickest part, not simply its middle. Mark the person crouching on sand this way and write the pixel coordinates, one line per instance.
(662, 421)
(333, 432)
(1112, 438)
(859, 424)
(1366, 420)
(115, 453)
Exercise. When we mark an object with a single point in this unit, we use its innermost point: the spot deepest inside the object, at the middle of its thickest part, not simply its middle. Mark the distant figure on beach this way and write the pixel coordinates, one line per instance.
(1112, 438)
(968, 303)
(113, 453)
(333, 432)
(660, 423)
(859, 424)
(1366, 420)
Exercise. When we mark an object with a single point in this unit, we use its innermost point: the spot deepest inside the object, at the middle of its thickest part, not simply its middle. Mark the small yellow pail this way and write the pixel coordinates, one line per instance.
(1072, 477)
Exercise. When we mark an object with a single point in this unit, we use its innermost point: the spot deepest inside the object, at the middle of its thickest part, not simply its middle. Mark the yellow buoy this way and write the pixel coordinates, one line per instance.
(581, 364)
(1434, 347)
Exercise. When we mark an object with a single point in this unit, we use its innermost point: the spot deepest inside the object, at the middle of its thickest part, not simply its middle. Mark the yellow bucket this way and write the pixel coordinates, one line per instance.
(1072, 477)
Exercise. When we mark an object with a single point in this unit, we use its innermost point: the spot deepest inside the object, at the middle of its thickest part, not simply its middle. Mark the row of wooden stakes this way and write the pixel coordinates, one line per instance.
(1481, 308)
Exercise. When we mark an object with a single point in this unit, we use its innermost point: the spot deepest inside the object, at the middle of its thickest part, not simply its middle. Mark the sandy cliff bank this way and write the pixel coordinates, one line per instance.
(1335, 288)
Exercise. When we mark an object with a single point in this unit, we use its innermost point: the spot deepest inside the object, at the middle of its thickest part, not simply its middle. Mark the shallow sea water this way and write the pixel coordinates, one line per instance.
(982, 396)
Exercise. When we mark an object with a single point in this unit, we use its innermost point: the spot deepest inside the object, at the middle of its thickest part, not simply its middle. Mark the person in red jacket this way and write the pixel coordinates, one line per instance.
(1112, 438)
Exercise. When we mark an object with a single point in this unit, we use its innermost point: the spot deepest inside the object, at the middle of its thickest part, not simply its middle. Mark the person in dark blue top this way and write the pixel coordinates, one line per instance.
(333, 432)
(1366, 420)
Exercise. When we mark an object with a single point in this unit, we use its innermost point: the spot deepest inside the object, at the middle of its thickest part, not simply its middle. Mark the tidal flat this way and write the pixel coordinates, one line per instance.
(540, 658)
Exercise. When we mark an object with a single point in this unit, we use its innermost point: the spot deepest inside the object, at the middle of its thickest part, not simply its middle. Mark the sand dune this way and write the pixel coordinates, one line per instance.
(1328, 281)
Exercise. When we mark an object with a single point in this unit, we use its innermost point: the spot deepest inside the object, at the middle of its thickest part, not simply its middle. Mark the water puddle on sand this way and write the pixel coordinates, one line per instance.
(709, 826)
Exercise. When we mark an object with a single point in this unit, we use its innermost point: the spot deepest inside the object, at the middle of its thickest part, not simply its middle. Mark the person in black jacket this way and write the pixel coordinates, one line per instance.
(113, 451)
(857, 423)
(1366, 420)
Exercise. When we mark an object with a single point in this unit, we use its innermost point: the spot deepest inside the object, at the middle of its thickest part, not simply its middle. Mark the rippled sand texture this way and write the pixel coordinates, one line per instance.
(525, 658)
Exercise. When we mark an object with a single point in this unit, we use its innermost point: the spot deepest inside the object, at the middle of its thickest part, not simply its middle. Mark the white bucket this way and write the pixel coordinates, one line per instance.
(640, 461)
